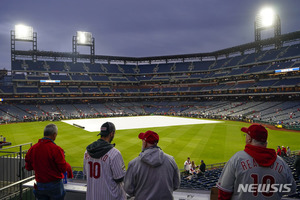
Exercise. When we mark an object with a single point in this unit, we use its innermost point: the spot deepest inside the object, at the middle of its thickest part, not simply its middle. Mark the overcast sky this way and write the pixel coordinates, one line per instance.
(140, 28)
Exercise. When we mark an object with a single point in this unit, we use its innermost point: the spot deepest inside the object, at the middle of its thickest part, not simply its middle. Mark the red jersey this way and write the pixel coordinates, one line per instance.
(278, 152)
(48, 161)
(284, 149)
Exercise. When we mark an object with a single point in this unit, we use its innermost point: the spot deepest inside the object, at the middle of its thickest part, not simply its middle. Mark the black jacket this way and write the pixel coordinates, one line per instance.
(99, 148)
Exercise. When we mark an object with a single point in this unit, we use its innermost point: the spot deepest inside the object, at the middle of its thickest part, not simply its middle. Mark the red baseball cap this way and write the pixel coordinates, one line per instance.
(150, 137)
(257, 132)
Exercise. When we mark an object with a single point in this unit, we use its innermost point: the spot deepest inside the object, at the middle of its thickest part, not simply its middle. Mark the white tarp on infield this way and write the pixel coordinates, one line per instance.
(122, 123)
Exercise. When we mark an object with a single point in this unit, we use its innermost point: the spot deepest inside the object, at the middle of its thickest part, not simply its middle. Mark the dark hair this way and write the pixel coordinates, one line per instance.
(50, 129)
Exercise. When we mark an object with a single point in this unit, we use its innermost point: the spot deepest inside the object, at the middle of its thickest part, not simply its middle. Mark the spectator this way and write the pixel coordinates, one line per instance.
(187, 165)
(193, 168)
(49, 164)
(153, 174)
(278, 151)
(283, 151)
(288, 151)
(202, 167)
(253, 166)
(297, 165)
(104, 167)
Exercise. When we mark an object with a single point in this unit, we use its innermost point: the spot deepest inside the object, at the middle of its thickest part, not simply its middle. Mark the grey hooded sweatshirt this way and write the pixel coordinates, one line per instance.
(152, 175)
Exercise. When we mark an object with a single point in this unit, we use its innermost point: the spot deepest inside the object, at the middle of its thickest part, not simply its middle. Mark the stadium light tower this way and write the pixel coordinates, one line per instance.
(267, 19)
(23, 33)
(83, 39)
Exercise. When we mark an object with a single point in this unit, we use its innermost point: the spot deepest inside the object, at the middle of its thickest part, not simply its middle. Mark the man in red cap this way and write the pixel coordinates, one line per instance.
(153, 174)
(257, 172)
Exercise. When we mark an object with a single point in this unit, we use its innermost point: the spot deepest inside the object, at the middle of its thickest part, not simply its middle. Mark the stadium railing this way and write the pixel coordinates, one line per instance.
(215, 165)
(13, 173)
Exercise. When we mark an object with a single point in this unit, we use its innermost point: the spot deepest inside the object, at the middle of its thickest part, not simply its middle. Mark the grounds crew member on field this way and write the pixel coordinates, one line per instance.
(257, 172)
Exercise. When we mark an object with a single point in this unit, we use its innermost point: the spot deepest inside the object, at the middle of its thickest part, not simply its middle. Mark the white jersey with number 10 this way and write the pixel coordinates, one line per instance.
(101, 175)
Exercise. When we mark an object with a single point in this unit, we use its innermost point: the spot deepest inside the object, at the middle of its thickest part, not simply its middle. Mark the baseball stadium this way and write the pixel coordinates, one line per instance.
(197, 103)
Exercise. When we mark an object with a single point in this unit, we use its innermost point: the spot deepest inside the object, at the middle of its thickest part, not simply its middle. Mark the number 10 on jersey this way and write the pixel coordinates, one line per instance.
(95, 169)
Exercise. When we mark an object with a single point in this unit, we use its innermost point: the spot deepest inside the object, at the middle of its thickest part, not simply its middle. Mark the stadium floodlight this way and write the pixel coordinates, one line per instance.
(23, 32)
(266, 18)
(84, 38)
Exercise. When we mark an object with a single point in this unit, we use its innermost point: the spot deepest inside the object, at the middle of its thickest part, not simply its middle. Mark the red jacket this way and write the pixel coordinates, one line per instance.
(48, 161)
(284, 149)
(278, 152)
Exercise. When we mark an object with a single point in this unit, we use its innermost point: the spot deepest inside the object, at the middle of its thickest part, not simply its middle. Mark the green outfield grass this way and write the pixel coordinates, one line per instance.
(213, 143)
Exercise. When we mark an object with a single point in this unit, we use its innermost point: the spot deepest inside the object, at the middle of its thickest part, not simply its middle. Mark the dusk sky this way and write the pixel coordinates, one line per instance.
(138, 28)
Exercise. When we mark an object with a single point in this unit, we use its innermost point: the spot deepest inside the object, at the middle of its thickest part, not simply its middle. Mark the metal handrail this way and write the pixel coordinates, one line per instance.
(16, 146)
(18, 182)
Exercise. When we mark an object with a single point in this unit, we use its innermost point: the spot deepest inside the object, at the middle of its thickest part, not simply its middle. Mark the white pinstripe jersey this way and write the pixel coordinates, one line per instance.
(243, 169)
(101, 174)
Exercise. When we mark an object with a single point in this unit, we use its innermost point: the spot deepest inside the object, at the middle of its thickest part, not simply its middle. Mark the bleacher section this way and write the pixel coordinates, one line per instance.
(56, 66)
(76, 67)
(112, 69)
(35, 66)
(146, 69)
(286, 112)
(97, 68)
(218, 76)
(202, 66)
(182, 67)
(209, 179)
(290, 52)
